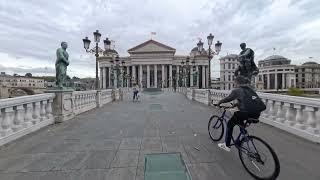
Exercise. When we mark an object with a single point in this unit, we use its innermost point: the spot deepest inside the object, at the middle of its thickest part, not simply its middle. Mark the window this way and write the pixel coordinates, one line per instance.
(296, 70)
(229, 78)
(303, 70)
(229, 66)
(233, 66)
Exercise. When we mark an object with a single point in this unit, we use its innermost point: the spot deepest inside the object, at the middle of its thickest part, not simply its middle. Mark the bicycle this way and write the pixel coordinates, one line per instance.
(243, 142)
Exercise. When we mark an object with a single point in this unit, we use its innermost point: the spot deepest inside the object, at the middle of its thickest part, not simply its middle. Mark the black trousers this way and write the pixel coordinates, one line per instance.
(135, 94)
(238, 118)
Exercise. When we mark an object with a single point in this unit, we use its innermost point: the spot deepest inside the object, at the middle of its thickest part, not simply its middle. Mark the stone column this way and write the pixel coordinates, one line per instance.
(162, 77)
(170, 75)
(207, 77)
(134, 78)
(155, 75)
(203, 77)
(198, 76)
(276, 81)
(283, 85)
(268, 81)
(101, 77)
(104, 76)
(140, 76)
(191, 76)
(177, 75)
(148, 76)
(109, 79)
(128, 73)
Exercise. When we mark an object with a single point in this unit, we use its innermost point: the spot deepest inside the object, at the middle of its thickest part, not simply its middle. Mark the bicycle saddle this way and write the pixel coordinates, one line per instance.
(252, 120)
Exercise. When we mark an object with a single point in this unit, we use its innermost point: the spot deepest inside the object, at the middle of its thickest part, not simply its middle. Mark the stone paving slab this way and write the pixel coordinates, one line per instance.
(110, 143)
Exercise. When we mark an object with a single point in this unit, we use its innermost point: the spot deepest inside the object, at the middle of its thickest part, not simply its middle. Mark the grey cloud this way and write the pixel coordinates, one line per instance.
(24, 70)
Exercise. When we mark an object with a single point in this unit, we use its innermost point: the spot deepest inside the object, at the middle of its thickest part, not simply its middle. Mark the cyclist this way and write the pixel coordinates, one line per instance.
(135, 91)
(249, 105)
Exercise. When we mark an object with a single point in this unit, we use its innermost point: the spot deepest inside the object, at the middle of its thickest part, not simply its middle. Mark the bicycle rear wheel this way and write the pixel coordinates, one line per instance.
(215, 128)
(258, 158)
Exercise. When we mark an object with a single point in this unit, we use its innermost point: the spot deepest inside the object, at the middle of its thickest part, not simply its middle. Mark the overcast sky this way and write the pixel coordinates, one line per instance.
(31, 30)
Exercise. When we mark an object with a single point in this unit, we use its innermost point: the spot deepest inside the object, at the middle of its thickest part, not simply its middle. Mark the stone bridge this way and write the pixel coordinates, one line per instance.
(107, 135)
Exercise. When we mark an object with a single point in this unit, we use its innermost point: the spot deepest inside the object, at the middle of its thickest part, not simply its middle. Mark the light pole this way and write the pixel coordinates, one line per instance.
(96, 50)
(211, 52)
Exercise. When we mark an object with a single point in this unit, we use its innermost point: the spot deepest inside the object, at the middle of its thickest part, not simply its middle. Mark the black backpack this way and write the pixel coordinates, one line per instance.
(253, 103)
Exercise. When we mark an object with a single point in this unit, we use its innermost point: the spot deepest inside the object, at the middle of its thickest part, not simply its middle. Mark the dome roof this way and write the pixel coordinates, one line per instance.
(195, 51)
(110, 51)
(310, 63)
(275, 57)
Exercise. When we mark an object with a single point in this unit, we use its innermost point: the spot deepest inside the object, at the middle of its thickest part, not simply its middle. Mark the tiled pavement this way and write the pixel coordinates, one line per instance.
(110, 143)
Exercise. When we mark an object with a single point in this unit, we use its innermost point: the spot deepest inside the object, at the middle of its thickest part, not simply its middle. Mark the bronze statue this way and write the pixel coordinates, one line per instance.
(247, 67)
(61, 64)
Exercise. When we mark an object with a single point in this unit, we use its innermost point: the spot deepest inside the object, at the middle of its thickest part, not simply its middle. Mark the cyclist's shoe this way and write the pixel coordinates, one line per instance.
(224, 146)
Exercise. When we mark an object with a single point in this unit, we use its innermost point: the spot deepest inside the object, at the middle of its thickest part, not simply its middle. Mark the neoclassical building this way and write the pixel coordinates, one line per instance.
(228, 65)
(154, 65)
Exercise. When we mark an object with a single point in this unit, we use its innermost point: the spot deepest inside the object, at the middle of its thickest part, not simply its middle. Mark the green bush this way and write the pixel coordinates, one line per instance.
(295, 91)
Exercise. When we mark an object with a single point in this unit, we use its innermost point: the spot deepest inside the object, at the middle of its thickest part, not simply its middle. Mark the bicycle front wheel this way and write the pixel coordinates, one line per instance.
(215, 128)
(258, 158)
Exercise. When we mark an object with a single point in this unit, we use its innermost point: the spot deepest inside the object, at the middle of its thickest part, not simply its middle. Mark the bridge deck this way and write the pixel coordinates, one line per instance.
(110, 143)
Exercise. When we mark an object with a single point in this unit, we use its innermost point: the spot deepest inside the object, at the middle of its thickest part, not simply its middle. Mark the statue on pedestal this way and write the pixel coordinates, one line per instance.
(61, 64)
(247, 67)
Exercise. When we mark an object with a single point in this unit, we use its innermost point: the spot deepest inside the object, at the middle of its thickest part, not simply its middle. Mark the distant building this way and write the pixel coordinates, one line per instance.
(21, 81)
(215, 83)
(308, 75)
(228, 65)
(275, 72)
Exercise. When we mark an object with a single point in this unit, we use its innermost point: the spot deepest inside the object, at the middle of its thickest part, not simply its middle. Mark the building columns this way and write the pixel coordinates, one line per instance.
(140, 76)
(155, 70)
(170, 75)
(207, 77)
(198, 76)
(134, 78)
(109, 79)
(268, 81)
(104, 77)
(283, 85)
(101, 77)
(203, 77)
(128, 73)
(177, 75)
(276, 81)
(191, 76)
(148, 76)
(162, 77)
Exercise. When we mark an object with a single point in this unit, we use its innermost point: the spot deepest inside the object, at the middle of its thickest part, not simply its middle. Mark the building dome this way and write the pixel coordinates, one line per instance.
(195, 51)
(310, 63)
(274, 57)
(230, 56)
(274, 60)
(110, 52)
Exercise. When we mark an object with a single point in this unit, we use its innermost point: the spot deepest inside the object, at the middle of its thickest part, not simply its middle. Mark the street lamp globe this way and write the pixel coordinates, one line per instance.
(86, 43)
(107, 43)
(200, 46)
(97, 36)
(210, 39)
(218, 46)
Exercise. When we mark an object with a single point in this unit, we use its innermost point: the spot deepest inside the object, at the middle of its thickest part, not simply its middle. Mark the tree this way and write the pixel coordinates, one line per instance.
(75, 78)
(28, 75)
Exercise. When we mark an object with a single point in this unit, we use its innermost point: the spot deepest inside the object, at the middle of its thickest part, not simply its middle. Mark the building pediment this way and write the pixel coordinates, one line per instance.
(151, 46)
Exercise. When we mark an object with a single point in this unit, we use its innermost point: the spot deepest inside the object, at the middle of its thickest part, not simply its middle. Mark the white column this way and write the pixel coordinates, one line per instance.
(203, 77)
(268, 81)
(140, 74)
(155, 76)
(162, 73)
(207, 77)
(283, 85)
(128, 73)
(109, 78)
(198, 76)
(148, 76)
(134, 78)
(101, 77)
(177, 75)
(276, 80)
(170, 75)
(191, 76)
(104, 76)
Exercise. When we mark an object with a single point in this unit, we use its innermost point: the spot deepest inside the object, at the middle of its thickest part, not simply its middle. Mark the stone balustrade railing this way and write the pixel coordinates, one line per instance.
(22, 115)
(106, 96)
(84, 101)
(297, 115)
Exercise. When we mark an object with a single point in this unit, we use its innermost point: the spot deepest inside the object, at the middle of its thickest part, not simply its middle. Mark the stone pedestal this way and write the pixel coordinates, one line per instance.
(62, 104)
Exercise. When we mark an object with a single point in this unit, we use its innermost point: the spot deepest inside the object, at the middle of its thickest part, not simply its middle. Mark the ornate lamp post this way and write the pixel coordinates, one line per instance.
(96, 50)
(194, 72)
(211, 52)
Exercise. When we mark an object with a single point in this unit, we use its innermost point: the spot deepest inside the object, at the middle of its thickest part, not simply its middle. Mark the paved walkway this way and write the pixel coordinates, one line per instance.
(110, 143)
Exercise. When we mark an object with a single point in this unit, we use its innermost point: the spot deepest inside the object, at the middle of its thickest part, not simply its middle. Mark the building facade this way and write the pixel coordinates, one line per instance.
(154, 65)
(275, 72)
(308, 75)
(21, 81)
(228, 65)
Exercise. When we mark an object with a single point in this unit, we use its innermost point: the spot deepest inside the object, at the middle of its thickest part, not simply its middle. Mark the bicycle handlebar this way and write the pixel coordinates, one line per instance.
(224, 107)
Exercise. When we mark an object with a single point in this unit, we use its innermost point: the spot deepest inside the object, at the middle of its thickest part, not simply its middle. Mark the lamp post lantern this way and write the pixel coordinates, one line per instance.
(211, 52)
(96, 50)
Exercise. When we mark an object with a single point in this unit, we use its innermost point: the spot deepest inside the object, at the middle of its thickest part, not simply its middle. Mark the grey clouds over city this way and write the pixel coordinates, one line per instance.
(30, 31)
